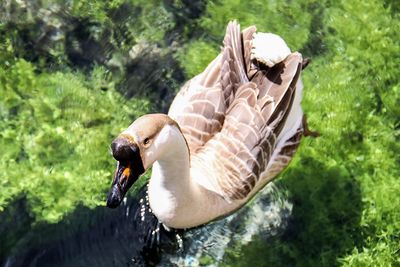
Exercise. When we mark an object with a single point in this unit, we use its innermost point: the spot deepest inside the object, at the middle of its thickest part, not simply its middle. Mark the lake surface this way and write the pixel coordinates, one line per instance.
(73, 74)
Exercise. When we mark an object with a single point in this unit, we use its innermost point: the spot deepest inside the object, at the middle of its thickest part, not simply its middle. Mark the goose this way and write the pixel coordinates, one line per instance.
(229, 131)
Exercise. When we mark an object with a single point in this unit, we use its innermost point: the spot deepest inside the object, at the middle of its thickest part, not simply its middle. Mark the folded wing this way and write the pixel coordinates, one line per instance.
(233, 116)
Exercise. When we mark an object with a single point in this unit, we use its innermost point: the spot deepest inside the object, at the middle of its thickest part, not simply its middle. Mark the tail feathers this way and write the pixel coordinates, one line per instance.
(283, 93)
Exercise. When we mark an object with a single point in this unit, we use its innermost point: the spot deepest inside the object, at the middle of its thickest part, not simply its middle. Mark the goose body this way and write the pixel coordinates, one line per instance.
(229, 131)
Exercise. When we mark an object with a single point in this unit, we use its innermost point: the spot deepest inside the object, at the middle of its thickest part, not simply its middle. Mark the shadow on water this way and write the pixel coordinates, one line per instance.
(99, 237)
(325, 222)
(321, 225)
(132, 236)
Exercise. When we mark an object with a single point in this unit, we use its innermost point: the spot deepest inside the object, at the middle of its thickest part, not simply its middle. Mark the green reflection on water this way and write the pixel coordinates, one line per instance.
(74, 73)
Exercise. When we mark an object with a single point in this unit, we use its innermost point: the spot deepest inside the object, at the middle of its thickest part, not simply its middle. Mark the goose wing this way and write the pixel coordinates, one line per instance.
(201, 105)
(251, 144)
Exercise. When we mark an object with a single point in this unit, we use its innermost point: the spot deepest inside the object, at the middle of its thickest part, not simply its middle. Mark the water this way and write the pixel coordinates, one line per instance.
(120, 238)
(136, 45)
(266, 216)
(73, 72)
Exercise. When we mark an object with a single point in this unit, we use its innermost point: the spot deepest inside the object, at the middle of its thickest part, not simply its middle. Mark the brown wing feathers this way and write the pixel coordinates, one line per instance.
(204, 114)
(233, 118)
(232, 70)
(202, 118)
(254, 119)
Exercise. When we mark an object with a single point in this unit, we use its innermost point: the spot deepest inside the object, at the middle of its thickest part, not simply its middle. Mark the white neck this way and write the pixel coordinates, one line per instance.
(171, 191)
(175, 197)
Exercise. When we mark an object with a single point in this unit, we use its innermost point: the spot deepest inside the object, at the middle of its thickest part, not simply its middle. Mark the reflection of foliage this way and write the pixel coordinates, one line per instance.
(291, 20)
(55, 130)
(127, 37)
(323, 224)
(93, 30)
(61, 64)
(196, 56)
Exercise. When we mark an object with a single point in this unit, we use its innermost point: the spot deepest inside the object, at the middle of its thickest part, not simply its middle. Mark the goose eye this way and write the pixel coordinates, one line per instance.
(146, 141)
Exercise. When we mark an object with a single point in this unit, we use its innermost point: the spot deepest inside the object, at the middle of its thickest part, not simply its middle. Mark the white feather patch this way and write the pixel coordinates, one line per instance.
(269, 48)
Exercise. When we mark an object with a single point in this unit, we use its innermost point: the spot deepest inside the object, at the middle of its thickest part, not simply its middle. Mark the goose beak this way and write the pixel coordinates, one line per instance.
(129, 168)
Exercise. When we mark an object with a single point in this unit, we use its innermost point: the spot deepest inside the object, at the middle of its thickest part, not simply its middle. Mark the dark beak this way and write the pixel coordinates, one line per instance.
(129, 168)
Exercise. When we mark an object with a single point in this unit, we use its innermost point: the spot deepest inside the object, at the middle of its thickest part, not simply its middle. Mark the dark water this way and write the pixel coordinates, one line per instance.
(53, 36)
(121, 238)
(48, 33)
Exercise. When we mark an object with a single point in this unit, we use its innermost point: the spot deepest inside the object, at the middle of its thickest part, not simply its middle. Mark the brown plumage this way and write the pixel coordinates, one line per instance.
(236, 114)
(229, 131)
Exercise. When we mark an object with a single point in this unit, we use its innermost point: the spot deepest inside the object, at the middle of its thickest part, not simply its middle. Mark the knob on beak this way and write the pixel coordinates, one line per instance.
(122, 149)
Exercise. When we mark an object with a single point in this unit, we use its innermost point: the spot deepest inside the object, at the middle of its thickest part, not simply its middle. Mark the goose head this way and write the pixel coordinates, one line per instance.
(136, 149)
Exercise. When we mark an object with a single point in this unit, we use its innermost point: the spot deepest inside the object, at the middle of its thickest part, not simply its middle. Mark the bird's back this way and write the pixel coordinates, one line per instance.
(242, 119)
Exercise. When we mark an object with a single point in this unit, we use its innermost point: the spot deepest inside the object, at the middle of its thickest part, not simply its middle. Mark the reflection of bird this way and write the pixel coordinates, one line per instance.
(229, 131)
